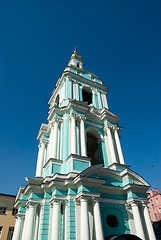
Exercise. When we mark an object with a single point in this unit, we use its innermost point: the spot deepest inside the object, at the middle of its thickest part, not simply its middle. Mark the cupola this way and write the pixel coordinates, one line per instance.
(76, 60)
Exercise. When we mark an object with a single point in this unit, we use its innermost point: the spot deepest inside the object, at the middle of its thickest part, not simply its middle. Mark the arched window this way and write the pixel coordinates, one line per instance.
(87, 95)
(57, 100)
(78, 64)
(93, 149)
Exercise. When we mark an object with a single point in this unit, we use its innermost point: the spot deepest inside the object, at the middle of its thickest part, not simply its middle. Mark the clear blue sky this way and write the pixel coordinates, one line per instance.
(119, 41)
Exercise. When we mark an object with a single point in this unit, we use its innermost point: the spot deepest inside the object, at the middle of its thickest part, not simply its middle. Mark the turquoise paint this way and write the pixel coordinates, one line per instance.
(109, 122)
(21, 209)
(47, 195)
(87, 189)
(56, 168)
(111, 181)
(106, 228)
(135, 194)
(80, 165)
(44, 221)
(104, 153)
(36, 196)
(59, 192)
(65, 141)
(71, 229)
(101, 153)
(93, 175)
(72, 191)
(23, 197)
(127, 181)
(113, 196)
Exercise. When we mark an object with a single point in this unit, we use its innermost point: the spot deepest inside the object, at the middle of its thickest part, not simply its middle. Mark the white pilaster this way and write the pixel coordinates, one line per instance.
(97, 221)
(53, 139)
(148, 222)
(105, 100)
(73, 134)
(70, 88)
(137, 221)
(99, 99)
(118, 145)
(82, 137)
(77, 90)
(55, 227)
(40, 159)
(31, 222)
(18, 227)
(85, 234)
(24, 233)
(110, 144)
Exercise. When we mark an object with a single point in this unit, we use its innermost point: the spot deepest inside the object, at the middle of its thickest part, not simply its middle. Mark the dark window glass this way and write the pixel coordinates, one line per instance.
(3, 210)
(14, 211)
(112, 221)
(10, 233)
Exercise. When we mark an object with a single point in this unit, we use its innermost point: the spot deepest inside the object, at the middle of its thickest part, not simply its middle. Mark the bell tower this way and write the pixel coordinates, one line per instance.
(83, 190)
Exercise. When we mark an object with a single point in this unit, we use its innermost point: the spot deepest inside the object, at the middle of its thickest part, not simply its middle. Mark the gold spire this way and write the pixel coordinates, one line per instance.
(75, 54)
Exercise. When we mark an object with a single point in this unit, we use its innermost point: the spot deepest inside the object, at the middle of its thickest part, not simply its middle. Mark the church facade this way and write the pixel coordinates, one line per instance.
(83, 190)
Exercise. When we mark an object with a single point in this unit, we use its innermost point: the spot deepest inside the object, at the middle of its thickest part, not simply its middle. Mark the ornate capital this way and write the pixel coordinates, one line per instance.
(82, 118)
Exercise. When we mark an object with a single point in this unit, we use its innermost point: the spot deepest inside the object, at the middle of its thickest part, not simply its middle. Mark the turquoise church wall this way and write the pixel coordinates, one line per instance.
(120, 212)
(44, 224)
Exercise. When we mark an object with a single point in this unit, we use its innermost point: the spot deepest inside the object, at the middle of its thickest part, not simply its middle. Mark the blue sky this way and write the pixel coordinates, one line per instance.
(119, 41)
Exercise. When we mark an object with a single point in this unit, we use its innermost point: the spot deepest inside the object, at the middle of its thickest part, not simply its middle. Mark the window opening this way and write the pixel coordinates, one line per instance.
(57, 100)
(10, 233)
(3, 210)
(87, 95)
(78, 65)
(0, 230)
(93, 149)
(14, 211)
(112, 221)
(157, 200)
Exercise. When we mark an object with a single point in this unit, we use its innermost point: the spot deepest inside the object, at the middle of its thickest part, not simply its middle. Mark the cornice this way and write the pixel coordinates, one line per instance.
(78, 77)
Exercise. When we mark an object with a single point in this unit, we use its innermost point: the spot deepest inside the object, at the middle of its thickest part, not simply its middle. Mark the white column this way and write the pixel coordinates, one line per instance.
(107, 147)
(73, 134)
(53, 139)
(31, 222)
(64, 89)
(40, 159)
(111, 146)
(137, 221)
(83, 137)
(105, 100)
(24, 233)
(99, 99)
(55, 227)
(97, 221)
(18, 227)
(77, 91)
(148, 222)
(70, 88)
(85, 234)
(118, 145)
